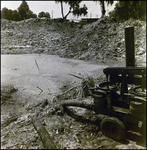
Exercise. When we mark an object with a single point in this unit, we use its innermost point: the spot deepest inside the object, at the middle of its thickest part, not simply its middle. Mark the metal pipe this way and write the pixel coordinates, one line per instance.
(130, 50)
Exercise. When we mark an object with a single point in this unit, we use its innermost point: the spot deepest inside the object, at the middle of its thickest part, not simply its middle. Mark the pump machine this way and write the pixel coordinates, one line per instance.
(113, 98)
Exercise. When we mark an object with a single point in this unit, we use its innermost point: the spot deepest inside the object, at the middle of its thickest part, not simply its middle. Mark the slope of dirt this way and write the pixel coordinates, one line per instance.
(103, 40)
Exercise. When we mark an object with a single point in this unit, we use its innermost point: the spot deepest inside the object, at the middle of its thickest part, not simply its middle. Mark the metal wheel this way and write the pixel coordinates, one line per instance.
(113, 128)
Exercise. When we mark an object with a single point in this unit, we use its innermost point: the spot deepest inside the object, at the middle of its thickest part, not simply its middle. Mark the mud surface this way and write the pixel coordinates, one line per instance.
(27, 90)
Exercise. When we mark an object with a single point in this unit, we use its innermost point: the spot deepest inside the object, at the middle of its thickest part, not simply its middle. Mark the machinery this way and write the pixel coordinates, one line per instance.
(123, 107)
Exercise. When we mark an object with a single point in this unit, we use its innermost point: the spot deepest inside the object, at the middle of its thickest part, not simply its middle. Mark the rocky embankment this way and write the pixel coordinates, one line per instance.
(103, 40)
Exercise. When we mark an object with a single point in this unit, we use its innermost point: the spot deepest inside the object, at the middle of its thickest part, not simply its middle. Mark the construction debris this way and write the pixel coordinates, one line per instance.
(102, 41)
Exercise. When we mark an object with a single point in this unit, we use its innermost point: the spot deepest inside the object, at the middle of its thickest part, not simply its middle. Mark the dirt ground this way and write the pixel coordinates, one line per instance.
(28, 81)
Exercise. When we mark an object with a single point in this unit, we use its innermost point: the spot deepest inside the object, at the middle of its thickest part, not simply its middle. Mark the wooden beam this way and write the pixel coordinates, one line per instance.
(44, 135)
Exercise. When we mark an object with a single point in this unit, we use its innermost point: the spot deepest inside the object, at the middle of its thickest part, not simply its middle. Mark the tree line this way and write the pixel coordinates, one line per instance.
(123, 10)
(23, 12)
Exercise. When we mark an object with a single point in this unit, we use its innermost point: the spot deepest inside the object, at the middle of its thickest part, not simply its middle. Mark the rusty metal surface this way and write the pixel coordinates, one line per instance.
(130, 49)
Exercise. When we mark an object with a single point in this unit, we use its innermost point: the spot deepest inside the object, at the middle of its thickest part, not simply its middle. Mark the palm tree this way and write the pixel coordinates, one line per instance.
(57, 1)
(74, 7)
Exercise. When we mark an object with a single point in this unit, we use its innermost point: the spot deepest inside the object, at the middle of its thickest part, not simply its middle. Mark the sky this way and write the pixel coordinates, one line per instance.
(54, 9)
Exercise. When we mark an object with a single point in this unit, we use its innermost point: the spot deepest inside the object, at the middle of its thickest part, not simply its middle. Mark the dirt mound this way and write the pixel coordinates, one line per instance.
(101, 40)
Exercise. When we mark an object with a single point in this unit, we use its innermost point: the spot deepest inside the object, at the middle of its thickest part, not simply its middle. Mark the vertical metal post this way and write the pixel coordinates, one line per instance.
(130, 50)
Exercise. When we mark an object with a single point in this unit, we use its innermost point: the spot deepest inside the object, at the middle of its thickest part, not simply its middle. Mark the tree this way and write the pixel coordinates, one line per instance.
(118, 12)
(57, 1)
(34, 16)
(79, 11)
(74, 7)
(102, 4)
(6, 13)
(15, 15)
(22, 9)
(23, 13)
(30, 14)
(43, 14)
(137, 9)
(125, 10)
(47, 15)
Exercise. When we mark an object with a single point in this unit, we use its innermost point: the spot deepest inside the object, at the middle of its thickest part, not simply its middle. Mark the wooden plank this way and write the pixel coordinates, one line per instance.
(44, 135)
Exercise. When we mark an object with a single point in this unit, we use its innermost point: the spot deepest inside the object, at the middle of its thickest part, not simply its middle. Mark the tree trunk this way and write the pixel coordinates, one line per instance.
(103, 8)
(68, 13)
(62, 9)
